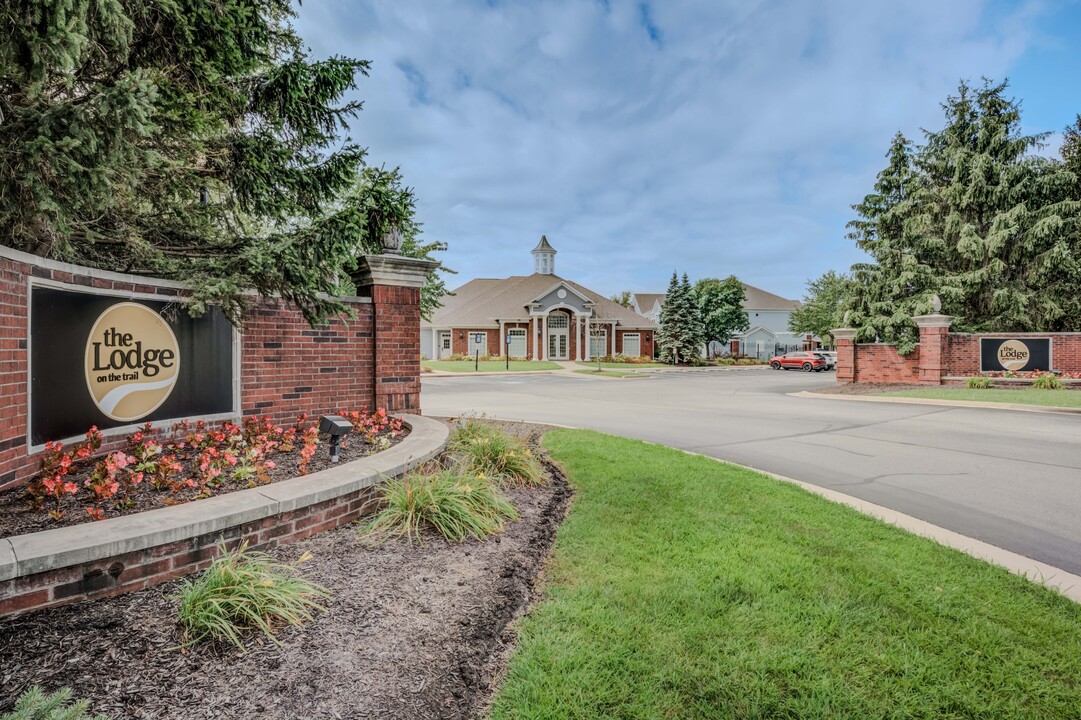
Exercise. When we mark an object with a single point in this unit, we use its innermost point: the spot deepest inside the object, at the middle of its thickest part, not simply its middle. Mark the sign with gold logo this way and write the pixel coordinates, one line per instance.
(132, 361)
(113, 361)
(1015, 354)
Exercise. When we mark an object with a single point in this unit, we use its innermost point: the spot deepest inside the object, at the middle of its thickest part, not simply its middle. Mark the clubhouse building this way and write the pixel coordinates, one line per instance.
(539, 316)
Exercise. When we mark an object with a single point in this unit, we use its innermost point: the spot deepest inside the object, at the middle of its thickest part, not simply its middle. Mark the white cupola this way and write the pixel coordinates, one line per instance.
(544, 258)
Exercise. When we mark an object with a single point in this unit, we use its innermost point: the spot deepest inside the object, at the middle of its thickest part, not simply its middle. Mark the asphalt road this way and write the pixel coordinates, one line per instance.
(1011, 479)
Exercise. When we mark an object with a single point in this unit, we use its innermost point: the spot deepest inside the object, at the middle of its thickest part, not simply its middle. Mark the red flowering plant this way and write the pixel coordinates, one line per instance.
(190, 460)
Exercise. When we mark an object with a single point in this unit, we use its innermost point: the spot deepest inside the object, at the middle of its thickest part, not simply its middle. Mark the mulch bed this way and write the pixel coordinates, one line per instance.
(18, 516)
(410, 632)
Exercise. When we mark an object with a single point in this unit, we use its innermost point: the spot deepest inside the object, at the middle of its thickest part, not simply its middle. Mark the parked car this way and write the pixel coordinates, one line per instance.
(806, 361)
(829, 357)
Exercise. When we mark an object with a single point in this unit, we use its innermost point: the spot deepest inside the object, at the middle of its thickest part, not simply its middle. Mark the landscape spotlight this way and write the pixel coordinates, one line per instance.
(337, 427)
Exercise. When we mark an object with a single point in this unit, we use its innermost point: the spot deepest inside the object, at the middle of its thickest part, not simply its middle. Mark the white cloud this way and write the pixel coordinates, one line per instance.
(712, 138)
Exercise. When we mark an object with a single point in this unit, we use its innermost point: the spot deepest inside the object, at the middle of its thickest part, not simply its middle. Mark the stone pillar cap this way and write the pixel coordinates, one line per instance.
(934, 320)
(396, 270)
(844, 333)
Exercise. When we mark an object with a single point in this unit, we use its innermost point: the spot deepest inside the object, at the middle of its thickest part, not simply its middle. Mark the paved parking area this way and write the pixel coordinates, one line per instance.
(1010, 479)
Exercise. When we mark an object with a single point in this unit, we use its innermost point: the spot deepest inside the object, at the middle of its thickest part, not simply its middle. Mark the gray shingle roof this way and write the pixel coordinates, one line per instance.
(485, 301)
(756, 299)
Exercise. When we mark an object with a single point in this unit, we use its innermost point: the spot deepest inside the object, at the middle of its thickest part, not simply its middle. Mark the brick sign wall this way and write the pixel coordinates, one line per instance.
(285, 367)
(939, 355)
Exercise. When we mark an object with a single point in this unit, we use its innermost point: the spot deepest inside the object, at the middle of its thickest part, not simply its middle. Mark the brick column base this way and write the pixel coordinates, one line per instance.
(393, 282)
(846, 354)
(934, 334)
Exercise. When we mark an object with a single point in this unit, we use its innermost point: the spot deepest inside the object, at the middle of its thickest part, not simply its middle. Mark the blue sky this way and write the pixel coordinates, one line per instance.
(713, 138)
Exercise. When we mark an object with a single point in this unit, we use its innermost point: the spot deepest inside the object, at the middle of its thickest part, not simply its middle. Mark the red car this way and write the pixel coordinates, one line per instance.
(806, 361)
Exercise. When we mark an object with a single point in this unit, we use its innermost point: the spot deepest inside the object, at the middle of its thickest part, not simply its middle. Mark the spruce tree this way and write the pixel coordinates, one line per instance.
(975, 217)
(680, 333)
(182, 139)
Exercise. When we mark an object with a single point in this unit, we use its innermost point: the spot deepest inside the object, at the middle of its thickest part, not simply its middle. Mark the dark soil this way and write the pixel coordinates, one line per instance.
(18, 516)
(410, 632)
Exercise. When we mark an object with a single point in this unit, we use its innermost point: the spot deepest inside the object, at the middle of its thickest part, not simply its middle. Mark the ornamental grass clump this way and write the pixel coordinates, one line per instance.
(34, 704)
(487, 450)
(978, 382)
(453, 502)
(1047, 381)
(244, 590)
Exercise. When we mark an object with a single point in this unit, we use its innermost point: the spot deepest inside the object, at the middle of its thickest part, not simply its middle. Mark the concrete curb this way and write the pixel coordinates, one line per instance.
(1065, 583)
(486, 373)
(47, 550)
(941, 403)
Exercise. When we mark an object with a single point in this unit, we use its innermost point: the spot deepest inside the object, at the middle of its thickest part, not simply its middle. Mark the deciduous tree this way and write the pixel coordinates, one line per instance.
(820, 310)
(720, 307)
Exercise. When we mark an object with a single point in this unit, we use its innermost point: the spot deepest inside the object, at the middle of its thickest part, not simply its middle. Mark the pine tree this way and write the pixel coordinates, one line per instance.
(182, 139)
(974, 217)
(680, 333)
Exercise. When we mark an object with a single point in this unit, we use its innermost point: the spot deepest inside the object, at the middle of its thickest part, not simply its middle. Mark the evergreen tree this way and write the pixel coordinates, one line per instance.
(181, 139)
(680, 333)
(974, 217)
(720, 308)
(820, 311)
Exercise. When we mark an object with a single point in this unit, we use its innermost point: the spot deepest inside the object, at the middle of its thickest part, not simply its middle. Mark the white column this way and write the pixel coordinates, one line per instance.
(578, 336)
(544, 338)
(533, 327)
(503, 337)
(613, 338)
(587, 338)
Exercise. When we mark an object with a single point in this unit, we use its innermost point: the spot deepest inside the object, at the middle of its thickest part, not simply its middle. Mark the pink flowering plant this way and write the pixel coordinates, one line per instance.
(190, 460)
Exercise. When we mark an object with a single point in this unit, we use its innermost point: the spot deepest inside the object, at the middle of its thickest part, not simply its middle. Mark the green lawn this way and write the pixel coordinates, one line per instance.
(611, 373)
(487, 365)
(1021, 396)
(681, 587)
(623, 366)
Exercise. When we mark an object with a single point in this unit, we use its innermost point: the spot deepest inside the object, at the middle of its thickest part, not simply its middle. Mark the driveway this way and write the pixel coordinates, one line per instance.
(1008, 478)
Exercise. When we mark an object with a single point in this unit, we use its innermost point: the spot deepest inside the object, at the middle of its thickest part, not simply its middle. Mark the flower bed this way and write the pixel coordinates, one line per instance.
(68, 564)
(192, 461)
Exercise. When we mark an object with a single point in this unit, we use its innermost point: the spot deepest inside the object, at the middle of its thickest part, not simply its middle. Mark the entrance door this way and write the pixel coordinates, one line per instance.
(598, 343)
(444, 345)
(558, 324)
(517, 345)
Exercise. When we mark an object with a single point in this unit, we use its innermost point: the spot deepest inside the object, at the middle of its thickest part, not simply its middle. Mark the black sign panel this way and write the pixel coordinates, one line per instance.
(1015, 354)
(109, 361)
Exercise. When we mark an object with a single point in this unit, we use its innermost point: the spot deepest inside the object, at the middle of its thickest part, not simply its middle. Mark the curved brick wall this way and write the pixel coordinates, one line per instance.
(286, 367)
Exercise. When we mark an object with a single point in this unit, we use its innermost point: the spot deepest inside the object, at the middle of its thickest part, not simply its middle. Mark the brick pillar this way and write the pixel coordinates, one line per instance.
(393, 282)
(934, 334)
(845, 338)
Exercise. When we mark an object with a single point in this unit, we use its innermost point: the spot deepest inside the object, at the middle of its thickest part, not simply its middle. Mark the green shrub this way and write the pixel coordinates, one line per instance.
(244, 590)
(34, 704)
(978, 382)
(488, 451)
(1047, 381)
(452, 502)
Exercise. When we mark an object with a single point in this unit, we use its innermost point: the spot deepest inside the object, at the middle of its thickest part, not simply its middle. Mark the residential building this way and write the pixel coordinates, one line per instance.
(767, 315)
(540, 316)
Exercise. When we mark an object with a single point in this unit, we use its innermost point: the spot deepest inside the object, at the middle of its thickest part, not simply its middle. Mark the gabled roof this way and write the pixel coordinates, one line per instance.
(563, 284)
(647, 300)
(756, 299)
(485, 301)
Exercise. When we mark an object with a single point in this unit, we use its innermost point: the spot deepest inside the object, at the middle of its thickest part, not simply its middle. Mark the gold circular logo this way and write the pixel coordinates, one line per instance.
(1013, 355)
(132, 361)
